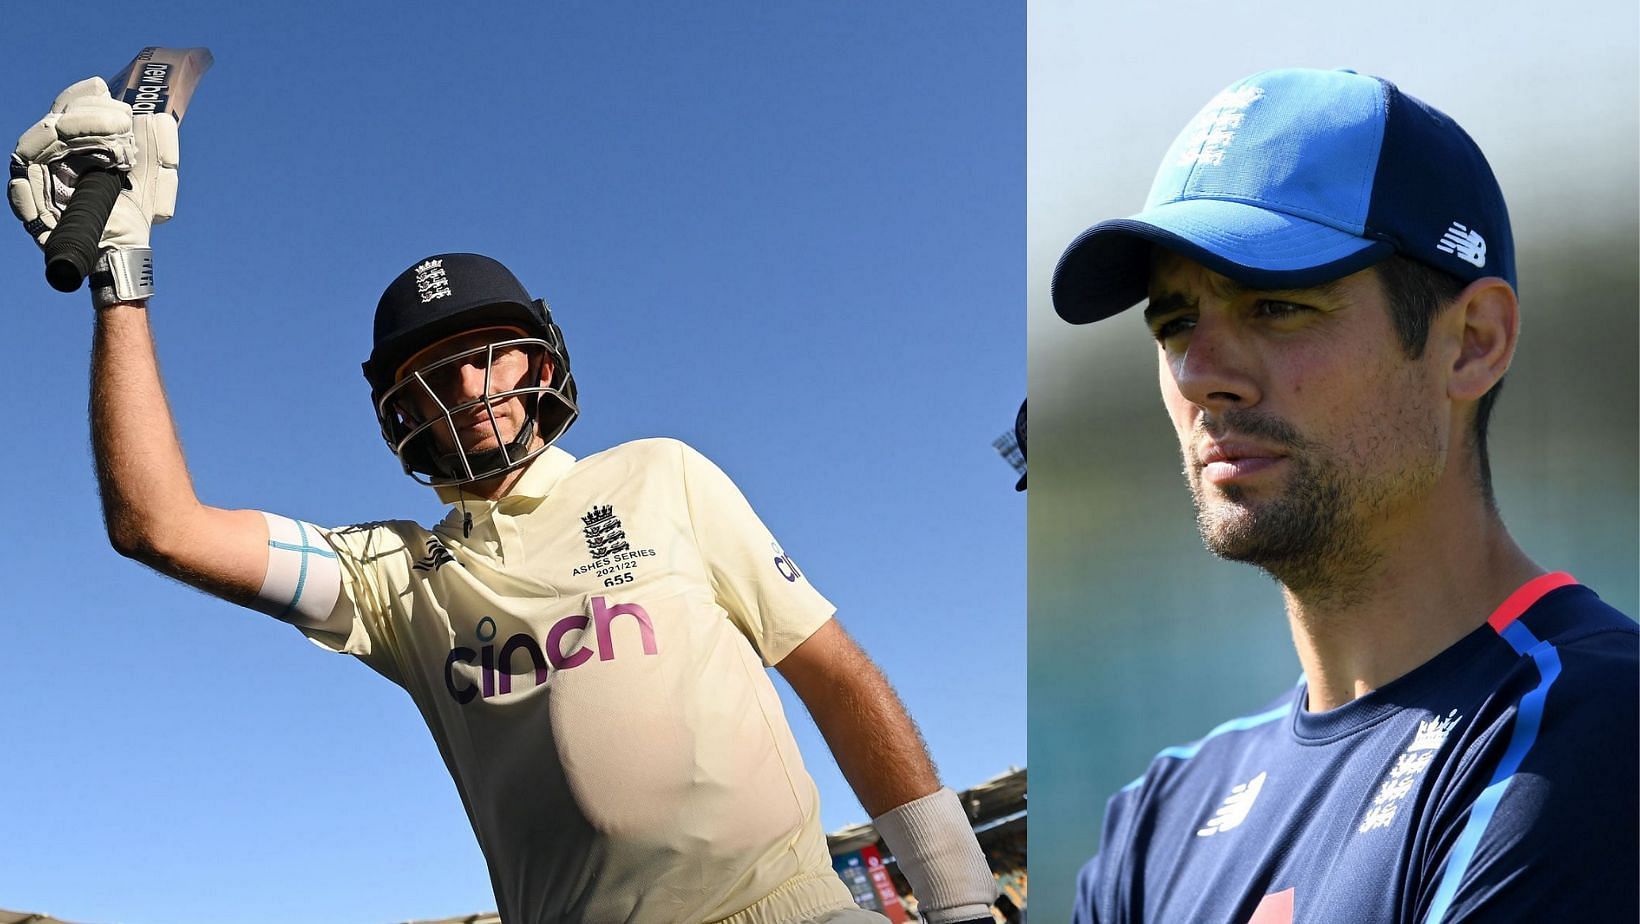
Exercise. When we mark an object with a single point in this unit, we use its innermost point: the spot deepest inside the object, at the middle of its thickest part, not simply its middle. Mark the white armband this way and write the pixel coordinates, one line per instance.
(936, 850)
(304, 578)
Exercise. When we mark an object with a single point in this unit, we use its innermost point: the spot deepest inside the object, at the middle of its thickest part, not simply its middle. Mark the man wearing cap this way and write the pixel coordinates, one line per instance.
(1331, 286)
(586, 638)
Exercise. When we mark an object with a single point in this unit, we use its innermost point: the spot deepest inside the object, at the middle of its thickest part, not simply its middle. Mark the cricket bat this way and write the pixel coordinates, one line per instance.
(158, 80)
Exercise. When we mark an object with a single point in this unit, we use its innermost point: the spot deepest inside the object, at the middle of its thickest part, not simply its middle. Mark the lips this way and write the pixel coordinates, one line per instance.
(1224, 461)
(477, 433)
(472, 421)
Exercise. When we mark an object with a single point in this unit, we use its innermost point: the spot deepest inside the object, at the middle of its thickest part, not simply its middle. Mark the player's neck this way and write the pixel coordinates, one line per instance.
(494, 489)
(1437, 571)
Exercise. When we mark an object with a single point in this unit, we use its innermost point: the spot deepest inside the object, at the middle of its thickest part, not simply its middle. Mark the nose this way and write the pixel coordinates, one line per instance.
(1217, 368)
(472, 379)
(458, 383)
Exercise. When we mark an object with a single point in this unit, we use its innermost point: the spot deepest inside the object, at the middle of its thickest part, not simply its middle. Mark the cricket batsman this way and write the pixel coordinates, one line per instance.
(587, 639)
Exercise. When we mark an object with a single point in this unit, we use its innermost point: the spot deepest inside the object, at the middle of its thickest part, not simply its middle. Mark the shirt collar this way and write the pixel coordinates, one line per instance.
(538, 479)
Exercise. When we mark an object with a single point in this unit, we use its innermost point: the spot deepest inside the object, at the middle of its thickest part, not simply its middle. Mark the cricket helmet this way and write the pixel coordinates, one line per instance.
(440, 297)
(1019, 437)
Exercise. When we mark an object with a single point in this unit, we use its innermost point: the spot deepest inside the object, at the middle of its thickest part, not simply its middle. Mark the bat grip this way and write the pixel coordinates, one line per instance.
(71, 250)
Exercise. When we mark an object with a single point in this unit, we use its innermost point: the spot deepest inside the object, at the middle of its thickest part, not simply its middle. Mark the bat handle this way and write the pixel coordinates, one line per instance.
(71, 250)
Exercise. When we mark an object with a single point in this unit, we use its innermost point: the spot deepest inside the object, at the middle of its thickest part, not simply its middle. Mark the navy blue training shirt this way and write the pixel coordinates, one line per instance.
(1496, 782)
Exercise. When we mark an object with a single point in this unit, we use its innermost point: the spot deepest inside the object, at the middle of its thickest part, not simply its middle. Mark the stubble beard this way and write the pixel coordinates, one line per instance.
(481, 445)
(1307, 533)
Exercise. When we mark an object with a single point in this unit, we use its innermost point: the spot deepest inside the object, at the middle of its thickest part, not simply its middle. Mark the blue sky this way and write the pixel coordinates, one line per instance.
(789, 234)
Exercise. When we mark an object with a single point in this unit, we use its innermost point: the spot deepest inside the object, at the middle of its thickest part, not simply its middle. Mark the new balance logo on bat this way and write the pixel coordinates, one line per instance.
(153, 90)
(1464, 244)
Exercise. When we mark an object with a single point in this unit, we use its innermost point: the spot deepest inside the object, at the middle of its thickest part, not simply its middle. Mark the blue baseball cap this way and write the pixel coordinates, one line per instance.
(1292, 178)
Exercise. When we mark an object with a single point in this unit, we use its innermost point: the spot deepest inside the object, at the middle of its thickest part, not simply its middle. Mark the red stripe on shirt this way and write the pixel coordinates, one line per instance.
(1529, 593)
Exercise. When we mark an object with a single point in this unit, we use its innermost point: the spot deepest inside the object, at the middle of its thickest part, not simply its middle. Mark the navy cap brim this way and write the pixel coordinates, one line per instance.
(1106, 270)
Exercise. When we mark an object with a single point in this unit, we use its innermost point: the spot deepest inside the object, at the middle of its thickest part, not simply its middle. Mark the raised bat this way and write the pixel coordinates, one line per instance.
(157, 80)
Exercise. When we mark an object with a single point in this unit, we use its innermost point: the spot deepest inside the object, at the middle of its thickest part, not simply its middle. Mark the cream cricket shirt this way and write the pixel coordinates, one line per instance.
(591, 662)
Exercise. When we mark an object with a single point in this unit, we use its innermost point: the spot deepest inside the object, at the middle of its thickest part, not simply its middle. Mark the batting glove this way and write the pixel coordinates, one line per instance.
(87, 129)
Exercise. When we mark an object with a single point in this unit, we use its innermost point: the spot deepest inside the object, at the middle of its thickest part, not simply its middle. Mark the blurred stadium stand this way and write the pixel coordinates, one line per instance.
(25, 917)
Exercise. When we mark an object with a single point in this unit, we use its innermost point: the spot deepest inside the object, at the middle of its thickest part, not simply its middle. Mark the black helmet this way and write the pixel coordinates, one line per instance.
(442, 296)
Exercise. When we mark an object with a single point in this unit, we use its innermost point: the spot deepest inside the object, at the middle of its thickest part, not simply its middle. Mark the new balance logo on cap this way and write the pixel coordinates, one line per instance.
(1235, 807)
(1465, 244)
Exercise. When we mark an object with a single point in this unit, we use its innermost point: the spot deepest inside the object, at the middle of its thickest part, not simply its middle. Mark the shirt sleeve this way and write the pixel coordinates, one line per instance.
(1098, 883)
(760, 586)
(1541, 827)
(328, 584)
(1086, 909)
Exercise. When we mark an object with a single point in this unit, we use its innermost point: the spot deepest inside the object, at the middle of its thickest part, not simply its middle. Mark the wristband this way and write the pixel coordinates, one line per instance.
(122, 276)
(935, 848)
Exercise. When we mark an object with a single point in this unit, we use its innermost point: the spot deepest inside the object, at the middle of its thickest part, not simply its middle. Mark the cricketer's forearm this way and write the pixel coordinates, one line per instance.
(149, 504)
(877, 745)
(869, 732)
(883, 756)
(141, 473)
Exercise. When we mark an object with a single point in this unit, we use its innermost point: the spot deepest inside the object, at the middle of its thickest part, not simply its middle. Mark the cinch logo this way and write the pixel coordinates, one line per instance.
(783, 563)
(496, 675)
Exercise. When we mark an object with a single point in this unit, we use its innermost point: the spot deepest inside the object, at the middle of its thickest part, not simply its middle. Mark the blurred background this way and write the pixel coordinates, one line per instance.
(788, 234)
(1138, 638)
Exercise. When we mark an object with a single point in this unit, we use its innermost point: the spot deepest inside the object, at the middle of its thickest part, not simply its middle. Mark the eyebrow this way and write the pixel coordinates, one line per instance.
(1167, 303)
(1170, 302)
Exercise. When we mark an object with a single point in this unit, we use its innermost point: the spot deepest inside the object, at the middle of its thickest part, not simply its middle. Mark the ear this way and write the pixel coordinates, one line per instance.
(1483, 324)
(547, 370)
